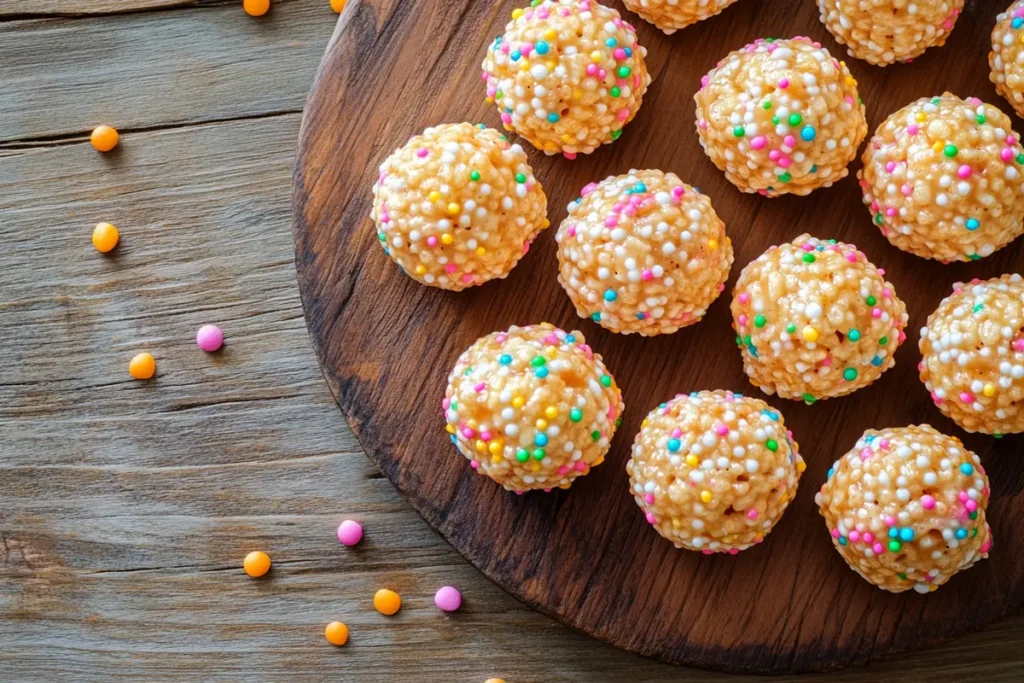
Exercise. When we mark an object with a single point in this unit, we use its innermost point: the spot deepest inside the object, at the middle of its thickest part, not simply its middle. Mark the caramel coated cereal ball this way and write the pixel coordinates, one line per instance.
(643, 252)
(567, 75)
(532, 408)
(942, 179)
(672, 15)
(973, 355)
(1006, 60)
(815, 319)
(885, 31)
(714, 471)
(906, 508)
(780, 117)
(458, 206)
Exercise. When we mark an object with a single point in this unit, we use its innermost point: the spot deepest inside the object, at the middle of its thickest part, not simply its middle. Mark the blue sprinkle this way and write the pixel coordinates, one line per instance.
(570, 338)
(1017, 22)
(452, 437)
(516, 55)
(906, 534)
(961, 533)
(808, 133)
(541, 372)
(828, 475)
(505, 359)
(967, 468)
(540, 439)
(773, 416)
(640, 315)
(610, 295)
(894, 532)
(541, 47)
(640, 187)
(629, 52)
(552, 117)
(842, 540)
(673, 445)
(877, 361)
(973, 224)
(595, 316)
(611, 42)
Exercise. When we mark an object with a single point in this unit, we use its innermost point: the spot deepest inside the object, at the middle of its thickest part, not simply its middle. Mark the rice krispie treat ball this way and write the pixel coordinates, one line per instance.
(643, 252)
(714, 471)
(532, 408)
(672, 15)
(1006, 60)
(906, 508)
(567, 75)
(815, 319)
(780, 117)
(973, 355)
(885, 31)
(942, 179)
(458, 206)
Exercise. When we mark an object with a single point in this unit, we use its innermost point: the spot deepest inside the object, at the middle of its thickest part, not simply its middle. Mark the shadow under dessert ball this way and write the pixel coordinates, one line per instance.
(780, 117)
(532, 408)
(942, 179)
(973, 355)
(815, 319)
(567, 75)
(714, 471)
(642, 252)
(906, 508)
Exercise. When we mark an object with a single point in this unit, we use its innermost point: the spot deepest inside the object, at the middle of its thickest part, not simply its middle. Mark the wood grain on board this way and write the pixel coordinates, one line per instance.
(125, 509)
(586, 555)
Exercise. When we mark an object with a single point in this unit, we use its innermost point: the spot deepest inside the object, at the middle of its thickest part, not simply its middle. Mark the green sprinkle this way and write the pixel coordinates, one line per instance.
(615, 91)
(616, 134)
(795, 119)
(950, 151)
(624, 71)
(538, 361)
(1020, 159)
(785, 177)
(854, 335)
(474, 176)
(809, 258)
(747, 340)
(606, 380)
(520, 178)
(738, 131)
(879, 219)
(894, 546)
(808, 399)
(759, 321)
(772, 445)
(575, 414)
(980, 119)
(791, 328)
(522, 455)
(883, 341)
(903, 577)
(973, 515)
(595, 435)
(538, 453)
(739, 341)
(871, 301)
(978, 307)
(766, 105)
(850, 374)
(775, 120)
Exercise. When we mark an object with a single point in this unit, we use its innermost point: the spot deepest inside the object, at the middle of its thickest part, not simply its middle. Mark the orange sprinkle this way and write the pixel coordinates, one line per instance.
(387, 602)
(142, 366)
(104, 237)
(336, 633)
(338, 5)
(256, 8)
(256, 564)
(104, 138)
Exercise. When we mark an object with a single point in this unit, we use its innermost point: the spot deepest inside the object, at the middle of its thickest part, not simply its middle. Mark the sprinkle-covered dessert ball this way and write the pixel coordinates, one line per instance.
(942, 179)
(780, 117)
(815, 319)
(672, 15)
(714, 471)
(458, 206)
(885, 31)
(906, 508)
(567, 75)
(643, 252)
(532, 408)
(973, 355)
(1006, 60)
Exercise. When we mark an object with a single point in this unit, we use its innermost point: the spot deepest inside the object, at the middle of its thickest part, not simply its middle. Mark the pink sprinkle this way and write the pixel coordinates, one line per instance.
(722, 430)
(784, 83)
(774, 155)
(877, 548)
(758, 142)
(569, 155)
(883, 444)
(619, 53)
(649, 498)
(962, 496)
(474, 464)
(868, 537)
(623, 114)
(647, 274)
(971, 506)
(467, 277)
(422, 152)
(505, 118)
(742, 320)
(745, 297)
(826, 362)
(447, 599)
(501, 338)
(890, 520)
(789, 141)
(987, 545)
(485, 436)
(479, 387)
(611, 222)
(890, 166)
(581, 466)
(751, 513)
(734, 551)
(912, 129)
(564, 469)
(966, 397)
(865, 453)
(964, 171)
(704, 80)
(891, 211)
(650, 518)
(572, 231)
(468, 433)
(209, 338)
(854, 536)
(676, 433)
(907, 190)
(851, 257)
(1006, 154)
(1018, 345)
(835, 533)
(902, 337)
(591, 69)
(876, 313)
(350, 532)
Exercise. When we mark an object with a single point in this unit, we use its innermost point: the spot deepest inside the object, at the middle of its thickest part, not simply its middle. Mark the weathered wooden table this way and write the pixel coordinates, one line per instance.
(126, 507)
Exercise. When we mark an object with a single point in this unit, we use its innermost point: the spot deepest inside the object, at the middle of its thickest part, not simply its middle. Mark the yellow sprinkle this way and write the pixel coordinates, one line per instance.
(518, 402)
(551, 64)
(550, 34)
(934, 587)
(495, 447)
(546, 223)
(712, 244)
(518, 12)
(454, 208)
(851, 81)
(596, 55)
(644, 423)
(597, 462)
(496, 458)
(489, 100)
(577, 94)
(705, 496)
(810, 334)
(535, 467)
(541, 423)
(566, 138)
(450, 429)
(937, 146)
(480, 251)
(421, 269)
(524, 65)
(447, 238)
(564, 486)
(434, 196)
(921, 116)
(551, 412)
(677, 523)
(989, 390)
(692, 460)
(801, 466)
(480, 445)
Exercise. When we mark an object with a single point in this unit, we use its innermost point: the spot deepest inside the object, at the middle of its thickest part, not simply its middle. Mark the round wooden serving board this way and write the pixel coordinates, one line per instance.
(586, 556)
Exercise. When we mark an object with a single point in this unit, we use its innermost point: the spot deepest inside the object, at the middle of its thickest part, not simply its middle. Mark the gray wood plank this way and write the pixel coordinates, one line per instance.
(20, 8)
(64, 76)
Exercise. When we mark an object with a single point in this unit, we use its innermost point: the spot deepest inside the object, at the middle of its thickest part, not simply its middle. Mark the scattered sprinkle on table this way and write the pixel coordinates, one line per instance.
(142, 366)
(350, 532)
(209, 338)
(104, 138)
(105, 237)
(256, 564)
(495, 680)
(387, 602)
(336, 633)
(256, 8)
(338, 5)
(448, 598)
